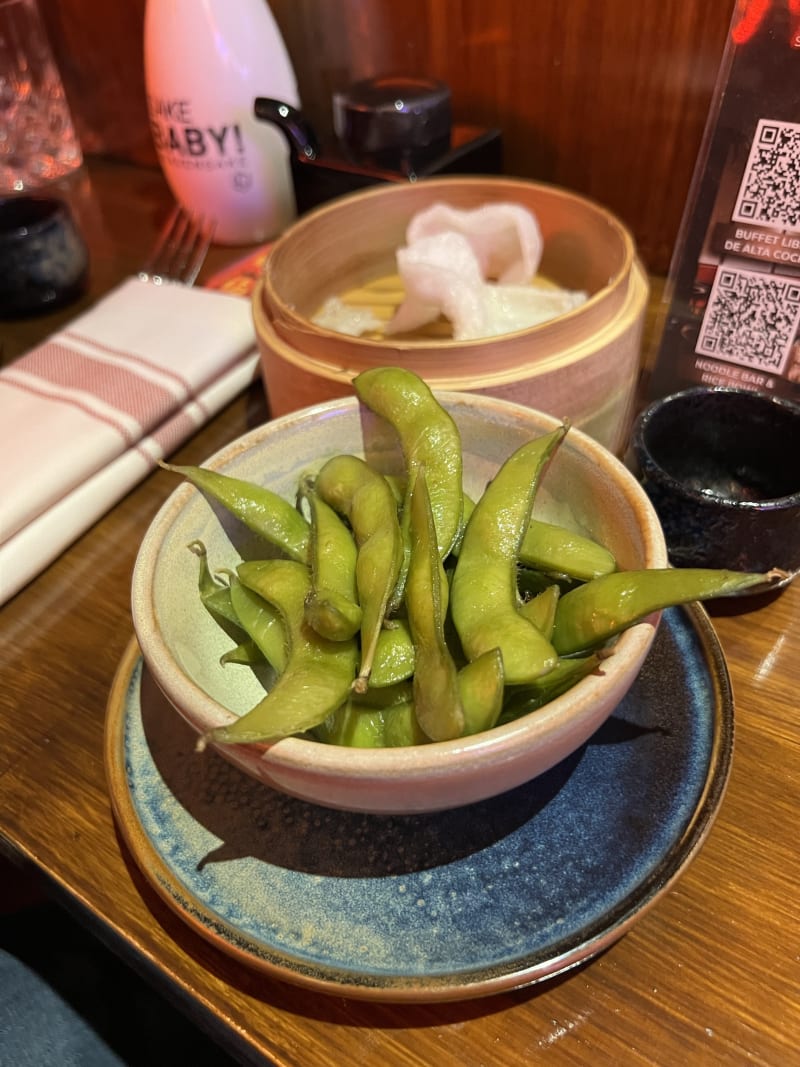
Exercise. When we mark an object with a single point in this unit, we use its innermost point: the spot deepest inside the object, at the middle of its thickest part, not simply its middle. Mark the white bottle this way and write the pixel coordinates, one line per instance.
(205, 63)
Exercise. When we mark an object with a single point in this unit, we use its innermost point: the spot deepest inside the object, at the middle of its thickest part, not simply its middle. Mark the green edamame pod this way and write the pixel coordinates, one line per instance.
(437, 698)
(354, 726)
(429, 438)
(373, 727)
(219, 605)
(525, 698)
(318, 673)
(556, 550)
(481, 687)
(394, 655)
(600, 609)
(261, 510)
(332, 607)
(387, 717)
(401, 728)
(468, 506)
(351, 487)
(262, 623)
(246, 654)
(541, 610)
(484, 599)
(398, 486)
(361, 721)
(214, 594)
(207, 584)
(389, 696)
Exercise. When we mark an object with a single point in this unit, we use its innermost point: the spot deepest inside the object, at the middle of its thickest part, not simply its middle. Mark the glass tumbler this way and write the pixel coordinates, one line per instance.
(38, 143)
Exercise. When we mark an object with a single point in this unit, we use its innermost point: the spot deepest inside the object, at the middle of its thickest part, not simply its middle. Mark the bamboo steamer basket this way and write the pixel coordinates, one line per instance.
(582, 366)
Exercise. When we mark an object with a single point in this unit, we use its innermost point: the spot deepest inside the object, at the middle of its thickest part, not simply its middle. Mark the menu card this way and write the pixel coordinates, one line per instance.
(732, 300)
(242, 276)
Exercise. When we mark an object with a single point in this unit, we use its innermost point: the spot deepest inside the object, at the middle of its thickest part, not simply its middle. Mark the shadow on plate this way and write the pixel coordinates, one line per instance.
(253, 820)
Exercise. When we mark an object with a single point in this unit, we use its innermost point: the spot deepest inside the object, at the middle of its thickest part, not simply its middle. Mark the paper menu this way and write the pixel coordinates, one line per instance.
(241, 277)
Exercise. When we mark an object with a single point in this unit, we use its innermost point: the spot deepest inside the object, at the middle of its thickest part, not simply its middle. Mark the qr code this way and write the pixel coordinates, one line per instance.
(770, 189)
(751, 319)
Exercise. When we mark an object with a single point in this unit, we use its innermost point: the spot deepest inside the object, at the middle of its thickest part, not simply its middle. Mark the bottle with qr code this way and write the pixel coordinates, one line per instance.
(731, 313)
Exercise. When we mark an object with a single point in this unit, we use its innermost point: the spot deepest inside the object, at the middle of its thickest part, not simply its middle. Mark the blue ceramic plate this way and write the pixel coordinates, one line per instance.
(447, 906)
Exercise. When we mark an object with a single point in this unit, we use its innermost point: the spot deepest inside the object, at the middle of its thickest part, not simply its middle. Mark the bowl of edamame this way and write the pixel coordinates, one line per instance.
(403, 601)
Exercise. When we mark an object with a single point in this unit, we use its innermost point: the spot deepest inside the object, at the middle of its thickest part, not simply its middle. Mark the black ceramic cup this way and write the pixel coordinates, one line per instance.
(722, 469)
(43, 258)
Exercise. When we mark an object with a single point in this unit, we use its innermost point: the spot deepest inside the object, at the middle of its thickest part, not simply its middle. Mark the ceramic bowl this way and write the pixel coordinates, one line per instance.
(43, 258)
(720, 466)
(585, 487)
(582, 365)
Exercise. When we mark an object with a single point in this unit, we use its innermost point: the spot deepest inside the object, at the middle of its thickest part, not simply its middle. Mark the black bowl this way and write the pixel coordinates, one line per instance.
(721, 466)
(43, 258)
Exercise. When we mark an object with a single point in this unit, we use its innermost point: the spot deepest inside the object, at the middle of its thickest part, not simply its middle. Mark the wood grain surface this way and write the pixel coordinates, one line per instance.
(710, 975)
(608, 99)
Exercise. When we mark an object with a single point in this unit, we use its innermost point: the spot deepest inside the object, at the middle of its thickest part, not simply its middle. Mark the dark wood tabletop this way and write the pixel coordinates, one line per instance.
(709, 975)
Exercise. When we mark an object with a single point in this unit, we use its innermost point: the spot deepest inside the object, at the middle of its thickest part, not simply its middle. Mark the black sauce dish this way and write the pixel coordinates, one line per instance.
(44, 262)
(722, 469)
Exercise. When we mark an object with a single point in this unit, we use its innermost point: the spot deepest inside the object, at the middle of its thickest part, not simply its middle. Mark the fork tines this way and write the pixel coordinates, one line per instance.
(180, 250)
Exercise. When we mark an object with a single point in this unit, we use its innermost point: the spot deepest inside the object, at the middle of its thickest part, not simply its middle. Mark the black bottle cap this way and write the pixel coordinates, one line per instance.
(393, 122)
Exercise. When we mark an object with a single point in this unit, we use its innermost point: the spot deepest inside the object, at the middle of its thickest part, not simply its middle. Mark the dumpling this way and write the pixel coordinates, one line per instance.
(474, 268)
(505, 238)
(441, 276)
(343, 318)
(518, 307)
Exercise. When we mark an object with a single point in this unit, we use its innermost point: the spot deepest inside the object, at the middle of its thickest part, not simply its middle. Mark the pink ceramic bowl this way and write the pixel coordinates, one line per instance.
(585, 487)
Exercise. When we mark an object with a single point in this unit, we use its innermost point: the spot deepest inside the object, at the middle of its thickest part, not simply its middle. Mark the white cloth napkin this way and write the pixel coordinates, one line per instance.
(88, 413)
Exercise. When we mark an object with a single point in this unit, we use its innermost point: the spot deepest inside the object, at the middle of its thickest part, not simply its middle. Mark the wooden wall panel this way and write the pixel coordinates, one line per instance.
(98, 46)
(603, 96)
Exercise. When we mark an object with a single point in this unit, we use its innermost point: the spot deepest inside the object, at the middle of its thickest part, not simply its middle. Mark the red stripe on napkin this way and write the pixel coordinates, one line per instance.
(111, 383)
(129, 356)
(127, 436)
(173, 433)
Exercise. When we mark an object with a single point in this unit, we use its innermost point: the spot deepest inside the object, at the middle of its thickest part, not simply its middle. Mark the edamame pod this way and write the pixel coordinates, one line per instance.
(332, 606)
(218, 599)
(429, 438)
(351, 487)
(354, 726)
(398, 486)
(592, 613)
(262, 623)
(374, 727)
(401, 728)
(467, 508)
(361, 721)
(541, 610)
(437, 698)
(525, 698)
(246, 654)
(214, 594)
(394, 656)
(318, 673)
(483, 597)
(552, 549)
(387, 717)
(481, 686)
(556, 550)
(262, 511)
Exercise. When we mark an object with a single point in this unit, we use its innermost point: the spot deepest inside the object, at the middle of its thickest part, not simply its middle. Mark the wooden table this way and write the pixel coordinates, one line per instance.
(710, 975)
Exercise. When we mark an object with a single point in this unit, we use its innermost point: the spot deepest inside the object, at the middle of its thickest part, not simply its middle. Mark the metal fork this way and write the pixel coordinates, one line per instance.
(180, 250)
